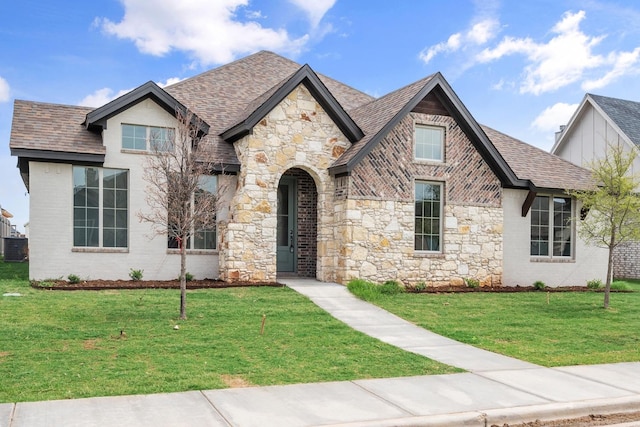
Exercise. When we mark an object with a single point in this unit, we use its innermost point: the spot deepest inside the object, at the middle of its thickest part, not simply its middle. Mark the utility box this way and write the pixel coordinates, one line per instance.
(16, 249)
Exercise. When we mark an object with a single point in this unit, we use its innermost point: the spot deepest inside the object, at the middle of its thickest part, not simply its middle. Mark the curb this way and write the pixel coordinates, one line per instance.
(515, 415)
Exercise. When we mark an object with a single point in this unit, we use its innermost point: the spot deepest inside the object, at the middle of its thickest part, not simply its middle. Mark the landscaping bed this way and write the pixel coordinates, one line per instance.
(504, 289)
(97, 285)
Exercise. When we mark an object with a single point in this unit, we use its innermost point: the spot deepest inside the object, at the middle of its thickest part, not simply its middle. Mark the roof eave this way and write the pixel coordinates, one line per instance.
(305, 75)
(459, 112)
(97, 119)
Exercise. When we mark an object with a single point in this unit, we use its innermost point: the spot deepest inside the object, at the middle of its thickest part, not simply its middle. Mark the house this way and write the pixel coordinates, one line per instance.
(600, 121)
(322, 181)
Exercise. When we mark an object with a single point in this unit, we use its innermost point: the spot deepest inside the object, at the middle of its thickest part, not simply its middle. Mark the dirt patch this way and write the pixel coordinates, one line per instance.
(90, 344)
(63, 285)
(4, 354)
(587, 421)
(235, 381)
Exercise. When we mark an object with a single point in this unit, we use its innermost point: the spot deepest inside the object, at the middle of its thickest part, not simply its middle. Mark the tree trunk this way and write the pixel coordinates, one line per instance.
(183, 278)
(607, 287)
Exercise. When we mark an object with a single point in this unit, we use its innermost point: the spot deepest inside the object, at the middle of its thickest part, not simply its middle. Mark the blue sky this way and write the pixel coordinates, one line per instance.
(519, 66)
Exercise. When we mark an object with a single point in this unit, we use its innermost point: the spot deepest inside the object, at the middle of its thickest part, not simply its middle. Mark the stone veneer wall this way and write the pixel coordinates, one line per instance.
(626, 261)
(375, 224)
(297, 133)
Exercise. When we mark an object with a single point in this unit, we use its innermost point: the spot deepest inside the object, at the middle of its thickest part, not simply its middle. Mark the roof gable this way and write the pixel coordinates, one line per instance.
(381, 115)
(97, 119)
(625, 114)
(622, 115)
(260, 107)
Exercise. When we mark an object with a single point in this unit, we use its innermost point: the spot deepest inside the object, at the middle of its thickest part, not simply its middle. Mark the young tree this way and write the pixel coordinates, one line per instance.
(182, 201)
(613, 208)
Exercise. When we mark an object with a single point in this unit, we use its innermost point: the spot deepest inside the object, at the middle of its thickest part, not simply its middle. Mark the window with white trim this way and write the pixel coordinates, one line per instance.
(551, 229)
(100, 207)
(202, 237)
(428, 216)
(429, 143)
(147, 138)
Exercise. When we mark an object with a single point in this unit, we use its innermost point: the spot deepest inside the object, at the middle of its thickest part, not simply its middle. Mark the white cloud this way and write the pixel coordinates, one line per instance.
(623, 63)
(552, 117)
(209, 31)
(170, 81)
(101, 97)
(4, 90)
(479, 33)
(315, 9)
(104, 95)
(568, 57)
(561, 61)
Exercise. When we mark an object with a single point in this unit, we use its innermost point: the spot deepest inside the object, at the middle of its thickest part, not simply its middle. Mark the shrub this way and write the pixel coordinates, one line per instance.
(73, 278)
(539, 285)
(135, 274)
(471, 282)
(594, 284)
(370, 291)
(188, 276)
(419, 287)
(391, 287)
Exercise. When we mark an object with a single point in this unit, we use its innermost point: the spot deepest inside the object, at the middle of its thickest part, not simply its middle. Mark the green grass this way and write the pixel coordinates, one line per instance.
(68, 344)
(572, 329)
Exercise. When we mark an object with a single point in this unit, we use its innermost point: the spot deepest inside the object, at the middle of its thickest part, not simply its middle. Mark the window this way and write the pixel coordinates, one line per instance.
(203, 237)
(551, 230)
(100, 202)
(428, 217)
(136, 137)
(429, 143)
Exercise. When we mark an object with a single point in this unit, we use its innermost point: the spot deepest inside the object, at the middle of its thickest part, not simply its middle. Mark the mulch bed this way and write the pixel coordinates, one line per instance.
(99, 285)
(503, 289)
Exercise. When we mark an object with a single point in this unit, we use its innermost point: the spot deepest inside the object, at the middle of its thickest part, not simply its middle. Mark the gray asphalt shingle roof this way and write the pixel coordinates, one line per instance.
(626, 114)
(543, 169)
(224, 95)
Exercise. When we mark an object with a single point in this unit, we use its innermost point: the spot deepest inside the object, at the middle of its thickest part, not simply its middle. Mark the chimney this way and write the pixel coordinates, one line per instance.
(559, 133)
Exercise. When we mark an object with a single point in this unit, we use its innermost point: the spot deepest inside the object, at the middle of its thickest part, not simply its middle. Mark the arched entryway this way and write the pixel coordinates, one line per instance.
(297, 229)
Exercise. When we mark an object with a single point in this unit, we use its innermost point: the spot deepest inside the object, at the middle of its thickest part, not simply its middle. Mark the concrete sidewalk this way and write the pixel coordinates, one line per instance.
(496, 390)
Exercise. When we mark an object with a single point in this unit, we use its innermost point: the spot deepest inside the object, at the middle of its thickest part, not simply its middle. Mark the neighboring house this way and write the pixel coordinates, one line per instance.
(6, 229)
(598, 122)
(323, 181)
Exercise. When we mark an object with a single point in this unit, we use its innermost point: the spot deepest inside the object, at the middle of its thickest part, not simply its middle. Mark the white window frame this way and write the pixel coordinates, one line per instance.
(420, 219)
(418, 144)
(149, 140)
(551, 227)
(101, 207)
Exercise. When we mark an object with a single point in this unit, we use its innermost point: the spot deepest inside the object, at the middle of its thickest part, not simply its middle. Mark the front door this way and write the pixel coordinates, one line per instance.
(287, 227)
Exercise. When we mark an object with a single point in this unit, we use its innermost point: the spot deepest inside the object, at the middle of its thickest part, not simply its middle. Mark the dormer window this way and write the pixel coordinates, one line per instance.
(429, 143)
(146, 138)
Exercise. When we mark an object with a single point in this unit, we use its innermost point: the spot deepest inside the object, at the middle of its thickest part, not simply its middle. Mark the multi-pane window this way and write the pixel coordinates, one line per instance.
(114, 208)
(429, 143)
(100, 203)
(551, 230)
(86, 206)
(428, 216)
(204, 237)
(143, 138)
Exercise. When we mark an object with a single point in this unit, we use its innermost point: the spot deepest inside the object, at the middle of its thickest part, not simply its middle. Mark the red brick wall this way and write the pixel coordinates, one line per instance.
(389, 170)
(307, 216)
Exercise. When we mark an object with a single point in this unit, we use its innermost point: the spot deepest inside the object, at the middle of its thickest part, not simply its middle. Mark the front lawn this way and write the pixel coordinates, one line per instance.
(70, 344)
(571, 329)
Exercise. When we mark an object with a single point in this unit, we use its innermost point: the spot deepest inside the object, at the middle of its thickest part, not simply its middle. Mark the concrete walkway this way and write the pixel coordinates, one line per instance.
(496, 390)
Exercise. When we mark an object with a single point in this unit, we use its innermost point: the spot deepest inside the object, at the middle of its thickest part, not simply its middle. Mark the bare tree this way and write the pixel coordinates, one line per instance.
(182, 200)
(613, 208)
